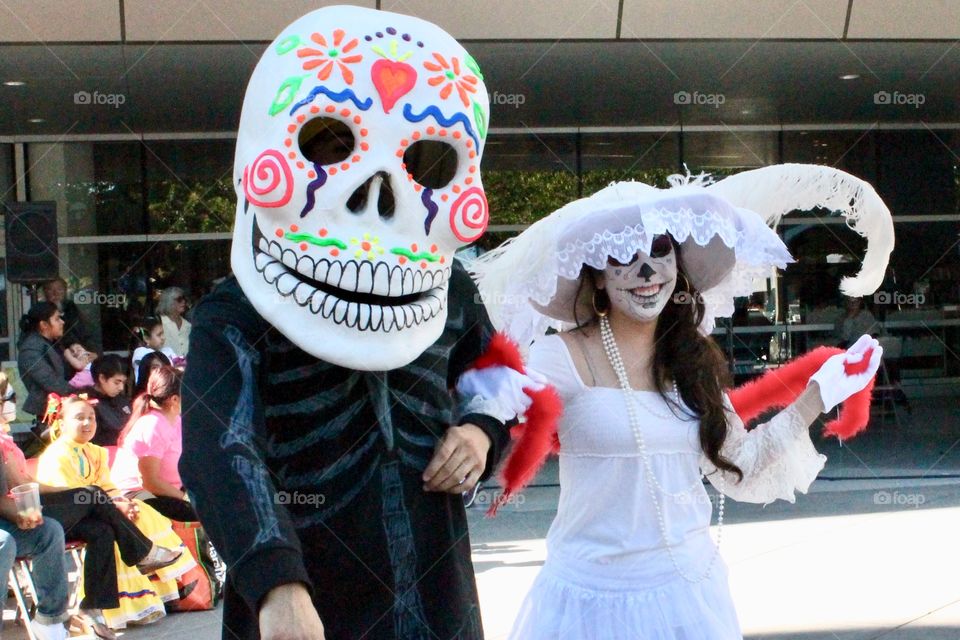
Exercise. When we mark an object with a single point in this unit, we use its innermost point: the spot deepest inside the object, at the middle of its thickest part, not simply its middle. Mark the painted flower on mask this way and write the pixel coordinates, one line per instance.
(451, 76)
(331, 56)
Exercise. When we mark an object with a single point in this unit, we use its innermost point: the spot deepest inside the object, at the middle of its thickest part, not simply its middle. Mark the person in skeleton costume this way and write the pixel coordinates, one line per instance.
(324, 448)
(633, 278)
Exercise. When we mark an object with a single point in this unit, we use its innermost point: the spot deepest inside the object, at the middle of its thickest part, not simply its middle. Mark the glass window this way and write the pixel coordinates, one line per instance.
(118, 188)
(917, 171)
(722, 153)
(612, 157)
(7, 175)
(851, 151)
(133, 274)
(528, 176)
(189, 186)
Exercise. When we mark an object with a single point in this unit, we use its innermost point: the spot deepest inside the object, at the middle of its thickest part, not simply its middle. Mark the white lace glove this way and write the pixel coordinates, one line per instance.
(835, 384)
(496, 391)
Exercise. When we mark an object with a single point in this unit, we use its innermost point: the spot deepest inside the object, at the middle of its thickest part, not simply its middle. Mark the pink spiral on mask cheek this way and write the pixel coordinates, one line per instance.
(268, 181)
(470, 215)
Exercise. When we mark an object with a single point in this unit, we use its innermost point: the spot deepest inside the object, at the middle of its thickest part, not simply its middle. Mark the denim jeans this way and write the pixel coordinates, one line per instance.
(44, 545)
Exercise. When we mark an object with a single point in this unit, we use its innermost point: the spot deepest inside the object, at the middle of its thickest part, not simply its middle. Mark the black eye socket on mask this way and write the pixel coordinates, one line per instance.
(660, 246)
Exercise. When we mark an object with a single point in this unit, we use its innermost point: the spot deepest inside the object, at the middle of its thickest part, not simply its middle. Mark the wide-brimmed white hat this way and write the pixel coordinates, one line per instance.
(532, 282)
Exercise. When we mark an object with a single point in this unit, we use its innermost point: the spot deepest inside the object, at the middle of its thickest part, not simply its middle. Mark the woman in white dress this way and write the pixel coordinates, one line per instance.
(633, 277)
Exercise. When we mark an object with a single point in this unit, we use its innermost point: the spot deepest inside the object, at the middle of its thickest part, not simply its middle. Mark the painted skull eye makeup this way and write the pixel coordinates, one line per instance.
(660, 246)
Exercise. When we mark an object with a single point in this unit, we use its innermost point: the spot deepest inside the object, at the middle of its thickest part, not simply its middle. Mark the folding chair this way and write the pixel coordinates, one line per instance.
(76, 550)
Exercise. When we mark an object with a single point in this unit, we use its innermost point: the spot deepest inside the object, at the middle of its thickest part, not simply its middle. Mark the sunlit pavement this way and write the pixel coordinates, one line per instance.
(836, 565)
(876, 556)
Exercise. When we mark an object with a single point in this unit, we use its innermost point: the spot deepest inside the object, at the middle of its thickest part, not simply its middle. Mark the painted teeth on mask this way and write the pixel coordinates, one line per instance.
(353, 314)
(316, 302)
(363, 317)
(289, 258)
(376, 318)
(274, 270)
(329, 302)
(303, 293)
(306, 266)
(365, 278)
(261, 261)
(417, 313)
(380, 284)
(335, 273)
(389, 318)
(348, 281)
(340, 311)
(286, 283)
(320, 273)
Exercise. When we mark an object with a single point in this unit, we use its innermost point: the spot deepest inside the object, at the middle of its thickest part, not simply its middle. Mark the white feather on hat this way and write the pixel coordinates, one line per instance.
(777, 190)
(531, 282)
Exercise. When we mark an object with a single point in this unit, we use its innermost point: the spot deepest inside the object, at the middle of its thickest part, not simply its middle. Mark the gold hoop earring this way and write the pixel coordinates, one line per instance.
(601, 313)
(689, 287)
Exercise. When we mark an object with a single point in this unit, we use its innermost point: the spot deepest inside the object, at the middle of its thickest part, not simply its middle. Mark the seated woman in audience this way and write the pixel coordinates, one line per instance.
(150, 446)
(89, 515)
(150, 363)
(149, 338)
(113, 405)
(171, 309)
(73, 461)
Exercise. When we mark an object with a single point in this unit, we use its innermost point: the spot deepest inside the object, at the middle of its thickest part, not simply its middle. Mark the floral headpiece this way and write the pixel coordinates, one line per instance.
(53, 416)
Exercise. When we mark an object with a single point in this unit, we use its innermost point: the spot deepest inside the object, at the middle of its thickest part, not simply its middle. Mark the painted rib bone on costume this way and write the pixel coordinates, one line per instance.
(357, 177)
(723, 230)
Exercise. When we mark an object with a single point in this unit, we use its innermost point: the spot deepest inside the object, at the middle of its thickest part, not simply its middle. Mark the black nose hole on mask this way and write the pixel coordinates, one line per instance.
(386, 203)
(646, 271)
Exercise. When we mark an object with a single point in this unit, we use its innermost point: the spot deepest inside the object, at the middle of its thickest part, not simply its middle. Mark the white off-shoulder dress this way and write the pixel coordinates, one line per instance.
(608, 574)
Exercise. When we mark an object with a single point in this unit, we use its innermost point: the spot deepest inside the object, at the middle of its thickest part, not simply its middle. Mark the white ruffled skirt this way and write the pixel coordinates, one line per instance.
(579, 604)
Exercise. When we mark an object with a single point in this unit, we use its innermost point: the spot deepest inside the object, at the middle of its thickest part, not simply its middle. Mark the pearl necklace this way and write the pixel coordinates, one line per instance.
(616, 361)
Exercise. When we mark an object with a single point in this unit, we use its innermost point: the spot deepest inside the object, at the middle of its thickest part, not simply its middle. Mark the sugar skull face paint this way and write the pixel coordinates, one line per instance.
(357, 174)
(642, 288)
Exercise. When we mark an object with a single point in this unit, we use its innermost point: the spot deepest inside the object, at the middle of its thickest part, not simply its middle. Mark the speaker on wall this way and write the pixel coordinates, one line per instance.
(31, 241)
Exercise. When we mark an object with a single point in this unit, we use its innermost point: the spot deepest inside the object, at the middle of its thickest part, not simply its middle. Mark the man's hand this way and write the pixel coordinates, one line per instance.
(459, 460)
(288, 613)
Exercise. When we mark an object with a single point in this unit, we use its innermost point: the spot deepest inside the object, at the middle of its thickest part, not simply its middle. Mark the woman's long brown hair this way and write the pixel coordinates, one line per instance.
(698, 365)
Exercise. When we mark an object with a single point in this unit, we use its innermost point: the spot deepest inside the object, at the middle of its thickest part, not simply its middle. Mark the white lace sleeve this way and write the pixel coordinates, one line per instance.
(777, 457)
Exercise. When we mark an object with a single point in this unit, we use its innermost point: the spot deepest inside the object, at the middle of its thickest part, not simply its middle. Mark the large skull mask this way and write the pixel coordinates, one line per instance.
(358, 175)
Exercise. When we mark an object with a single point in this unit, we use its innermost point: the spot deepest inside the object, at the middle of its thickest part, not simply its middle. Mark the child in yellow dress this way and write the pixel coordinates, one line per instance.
(73, 461)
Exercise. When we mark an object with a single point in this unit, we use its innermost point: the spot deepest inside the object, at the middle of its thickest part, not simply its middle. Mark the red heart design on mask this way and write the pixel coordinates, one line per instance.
(393, 80)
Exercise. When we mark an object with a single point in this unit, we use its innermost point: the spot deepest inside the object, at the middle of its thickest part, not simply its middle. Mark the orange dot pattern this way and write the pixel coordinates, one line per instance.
(345, 113)
(456, 187)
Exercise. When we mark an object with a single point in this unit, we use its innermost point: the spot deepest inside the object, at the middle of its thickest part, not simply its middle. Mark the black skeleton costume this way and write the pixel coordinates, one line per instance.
(322, 376)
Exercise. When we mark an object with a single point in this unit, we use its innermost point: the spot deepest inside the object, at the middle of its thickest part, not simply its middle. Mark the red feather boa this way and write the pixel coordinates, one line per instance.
(779, 387)
(534, 438)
